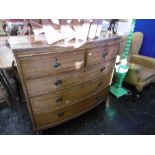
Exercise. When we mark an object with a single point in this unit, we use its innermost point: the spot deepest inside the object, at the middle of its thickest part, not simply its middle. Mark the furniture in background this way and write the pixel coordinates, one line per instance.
(113, 26)
(5, 63)
(4, 95)
(9, 83)
(62, 82)
(142, 68)
(2, 33)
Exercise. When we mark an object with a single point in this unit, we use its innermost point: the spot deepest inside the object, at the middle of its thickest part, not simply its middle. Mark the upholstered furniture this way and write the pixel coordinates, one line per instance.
(62, 82)
(142, 68)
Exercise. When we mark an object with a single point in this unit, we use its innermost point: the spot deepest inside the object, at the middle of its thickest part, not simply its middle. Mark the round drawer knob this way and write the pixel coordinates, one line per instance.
(102, 69)
(56, 65)
(59, 99)
(60, 114)
(105, 54)
(57, 82)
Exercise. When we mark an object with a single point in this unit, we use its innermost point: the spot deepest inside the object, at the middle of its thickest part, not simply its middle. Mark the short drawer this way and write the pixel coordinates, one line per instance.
(66, 97)
(58, 116)
(48, 84)
(96, 55)
(46, 64)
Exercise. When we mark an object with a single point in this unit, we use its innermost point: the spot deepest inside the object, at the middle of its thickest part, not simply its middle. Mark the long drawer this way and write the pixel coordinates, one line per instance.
(58, 116)
(45, 64)
(66, 97)
(48, 84)
(96, 55)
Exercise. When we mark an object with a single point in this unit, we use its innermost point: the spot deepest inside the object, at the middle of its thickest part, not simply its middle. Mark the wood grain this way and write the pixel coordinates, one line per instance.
(35, 66)
(96, 55)
(62, 82)
(48, 84)
(50, 118)
(59, 99)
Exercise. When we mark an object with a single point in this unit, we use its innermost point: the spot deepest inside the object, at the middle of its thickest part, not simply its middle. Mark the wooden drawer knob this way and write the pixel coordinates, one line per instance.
(57, 82)
(105, 54)
(56, 65)
(59, 99)
(60, 114)
(102, 69)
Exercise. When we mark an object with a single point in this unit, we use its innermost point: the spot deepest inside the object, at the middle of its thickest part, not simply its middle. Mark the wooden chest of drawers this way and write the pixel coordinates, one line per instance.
(62, 82)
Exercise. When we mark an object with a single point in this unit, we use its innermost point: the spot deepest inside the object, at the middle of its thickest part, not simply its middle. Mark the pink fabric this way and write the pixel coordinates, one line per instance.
(13, 20)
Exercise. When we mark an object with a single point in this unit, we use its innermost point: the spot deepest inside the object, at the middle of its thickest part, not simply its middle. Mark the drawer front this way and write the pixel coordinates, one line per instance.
(46, 64)
(64, 98)
(45, 85)
(60, 115)
(96, 55)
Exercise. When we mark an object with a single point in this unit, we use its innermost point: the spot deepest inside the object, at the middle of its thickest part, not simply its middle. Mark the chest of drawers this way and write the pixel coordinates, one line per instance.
(62, 82)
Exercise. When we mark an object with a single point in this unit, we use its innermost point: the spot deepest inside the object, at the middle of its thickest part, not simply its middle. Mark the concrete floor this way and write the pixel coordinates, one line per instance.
(132, 114)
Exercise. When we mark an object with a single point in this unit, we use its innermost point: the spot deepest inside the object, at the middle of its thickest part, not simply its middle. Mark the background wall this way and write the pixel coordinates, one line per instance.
(147, 26)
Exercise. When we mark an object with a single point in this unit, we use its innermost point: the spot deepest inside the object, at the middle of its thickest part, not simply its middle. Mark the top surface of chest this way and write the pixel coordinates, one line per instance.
(30, 42)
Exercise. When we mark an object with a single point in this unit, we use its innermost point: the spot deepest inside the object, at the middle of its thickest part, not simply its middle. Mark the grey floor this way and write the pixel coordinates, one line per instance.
(131, 114)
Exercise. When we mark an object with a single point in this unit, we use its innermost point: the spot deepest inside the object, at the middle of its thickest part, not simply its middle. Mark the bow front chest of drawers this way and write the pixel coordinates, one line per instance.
(62, 82)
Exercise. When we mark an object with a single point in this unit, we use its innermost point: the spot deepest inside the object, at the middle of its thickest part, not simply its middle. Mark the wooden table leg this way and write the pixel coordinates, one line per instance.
(4, 93)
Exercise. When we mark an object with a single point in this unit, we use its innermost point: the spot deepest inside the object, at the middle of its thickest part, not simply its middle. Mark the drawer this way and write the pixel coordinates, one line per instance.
(45, 85)
(58, 116)
(96, 55)
(45, 64)
(62, 98)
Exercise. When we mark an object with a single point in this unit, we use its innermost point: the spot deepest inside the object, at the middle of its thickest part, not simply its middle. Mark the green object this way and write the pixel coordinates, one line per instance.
(117, 89)
(122, 69)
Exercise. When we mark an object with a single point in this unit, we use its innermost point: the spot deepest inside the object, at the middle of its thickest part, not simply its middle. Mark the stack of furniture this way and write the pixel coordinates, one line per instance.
(63, 82)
